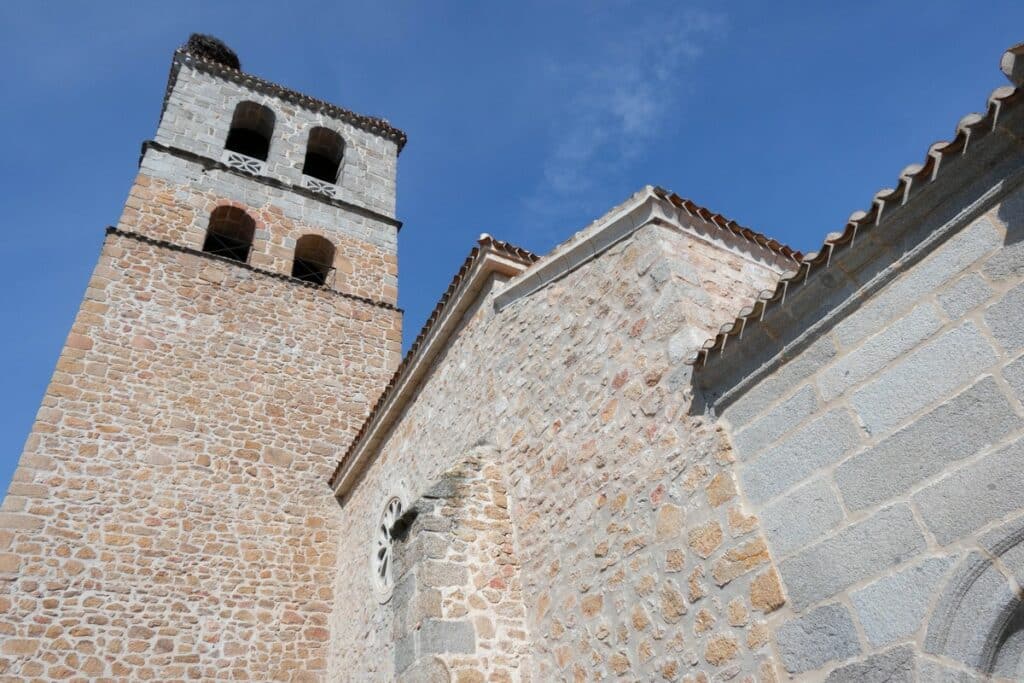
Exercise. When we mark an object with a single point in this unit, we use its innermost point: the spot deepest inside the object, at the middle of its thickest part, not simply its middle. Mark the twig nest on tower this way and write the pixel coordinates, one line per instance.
(213, 50)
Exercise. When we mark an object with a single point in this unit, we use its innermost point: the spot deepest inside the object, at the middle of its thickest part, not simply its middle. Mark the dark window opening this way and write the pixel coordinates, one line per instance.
(251, 128)
(230, 234)
(314, 258)
(323, 155)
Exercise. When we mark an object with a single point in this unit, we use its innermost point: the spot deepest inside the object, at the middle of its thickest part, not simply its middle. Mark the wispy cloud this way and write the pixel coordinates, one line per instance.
(616, 99)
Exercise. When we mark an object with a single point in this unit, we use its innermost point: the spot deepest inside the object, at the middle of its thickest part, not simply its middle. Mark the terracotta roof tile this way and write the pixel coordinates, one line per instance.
(485, 242)
(724, 223)
(371, 124)
(912, 178)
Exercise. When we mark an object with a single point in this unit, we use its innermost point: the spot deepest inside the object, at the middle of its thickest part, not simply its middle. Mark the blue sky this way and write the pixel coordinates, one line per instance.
(525, 120)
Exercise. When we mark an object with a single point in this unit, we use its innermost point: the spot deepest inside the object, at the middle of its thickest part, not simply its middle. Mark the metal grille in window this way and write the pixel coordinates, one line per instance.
(311, 271)
(228, 247)
(242, 162)
(319, 186)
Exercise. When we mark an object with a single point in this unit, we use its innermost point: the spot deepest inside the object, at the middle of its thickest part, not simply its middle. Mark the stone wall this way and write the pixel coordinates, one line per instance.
(458, 603)
(198, 116)
(637, 558)
(885, 459)
(172, 199)
(169, 518)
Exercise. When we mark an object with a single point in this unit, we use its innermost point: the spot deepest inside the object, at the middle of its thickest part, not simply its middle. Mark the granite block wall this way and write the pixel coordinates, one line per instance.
(884, 461)
(198, 117)
(458, 602)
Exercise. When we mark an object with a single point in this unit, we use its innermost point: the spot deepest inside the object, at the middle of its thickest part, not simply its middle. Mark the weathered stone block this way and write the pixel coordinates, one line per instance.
(405, 652)
(936, 672)
(894, 606)
(791, 412)
(974, 495)
(822, 635)
(966, 294)
(1013, 373)
(758, 398)
(885, 539)
(437, 636)
(795, 520)
(922, 378)
(878, 351)
(429, 670)
(953, 257)
(955, 430)
(892, 666)
(816, 445)
(1005, 320)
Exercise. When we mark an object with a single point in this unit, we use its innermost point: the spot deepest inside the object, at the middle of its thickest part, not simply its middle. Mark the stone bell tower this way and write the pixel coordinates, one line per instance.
(169, 517)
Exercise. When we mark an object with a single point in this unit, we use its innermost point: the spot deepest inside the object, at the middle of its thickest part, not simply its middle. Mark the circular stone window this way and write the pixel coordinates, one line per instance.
(383, 552)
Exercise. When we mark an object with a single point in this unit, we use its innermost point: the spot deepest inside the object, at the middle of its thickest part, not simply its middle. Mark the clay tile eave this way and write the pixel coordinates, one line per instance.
(912, 179)
(721, 222)
(486, 244)
(371, 124)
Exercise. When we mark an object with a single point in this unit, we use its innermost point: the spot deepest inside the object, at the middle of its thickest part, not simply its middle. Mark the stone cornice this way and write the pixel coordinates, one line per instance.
(490, 258)
(164, 244)
(212, 164)
(370, 124)
(649, 206)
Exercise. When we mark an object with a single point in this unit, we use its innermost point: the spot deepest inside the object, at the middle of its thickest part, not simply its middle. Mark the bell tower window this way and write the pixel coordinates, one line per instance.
(230, 234)
(323, 155)
(251, 128)
(314, 259)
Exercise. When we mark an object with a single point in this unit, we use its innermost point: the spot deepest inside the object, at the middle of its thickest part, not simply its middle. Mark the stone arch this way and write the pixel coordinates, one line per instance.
(230, 233)
(324, 151)
(458, 591)
(979, 619)
(252, 126)
(314, 259)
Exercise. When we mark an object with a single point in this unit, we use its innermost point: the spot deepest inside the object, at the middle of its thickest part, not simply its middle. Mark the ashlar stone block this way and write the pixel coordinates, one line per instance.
(804, 515)
(891, 666)
(974, 495)
(816, 445)
(953, 431)
(820, 636)
(922, 378)
(893, 607)
(887, 538)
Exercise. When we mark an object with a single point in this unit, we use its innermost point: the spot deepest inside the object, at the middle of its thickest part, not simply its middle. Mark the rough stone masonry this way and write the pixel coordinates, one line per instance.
(233, 476)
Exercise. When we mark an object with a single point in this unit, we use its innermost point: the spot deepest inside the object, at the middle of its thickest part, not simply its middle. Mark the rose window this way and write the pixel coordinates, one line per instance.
(383, 555)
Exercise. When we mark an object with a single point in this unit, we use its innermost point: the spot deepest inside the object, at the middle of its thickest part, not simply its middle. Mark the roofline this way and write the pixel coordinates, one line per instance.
(913, 181)
(370, 124)
(490, 257)
(649, 206)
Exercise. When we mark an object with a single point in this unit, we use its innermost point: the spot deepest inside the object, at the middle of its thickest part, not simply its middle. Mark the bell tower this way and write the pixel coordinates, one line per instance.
(170, 517)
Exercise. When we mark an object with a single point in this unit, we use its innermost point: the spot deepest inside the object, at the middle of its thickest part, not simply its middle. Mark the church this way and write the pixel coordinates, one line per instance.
(671, 449)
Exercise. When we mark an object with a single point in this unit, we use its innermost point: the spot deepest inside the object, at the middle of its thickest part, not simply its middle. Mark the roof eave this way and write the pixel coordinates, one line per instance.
(489, 260)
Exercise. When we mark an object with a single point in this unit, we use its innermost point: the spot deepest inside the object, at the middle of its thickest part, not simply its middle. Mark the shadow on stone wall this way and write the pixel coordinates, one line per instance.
(457, 602)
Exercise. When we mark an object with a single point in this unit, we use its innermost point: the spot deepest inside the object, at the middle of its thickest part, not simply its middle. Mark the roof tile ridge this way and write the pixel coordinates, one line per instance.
(372, 124)
(913, 176)
(723, 223)
(485, 244)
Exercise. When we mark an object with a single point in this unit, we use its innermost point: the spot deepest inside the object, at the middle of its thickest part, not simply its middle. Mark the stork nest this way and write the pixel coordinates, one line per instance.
(212, 49)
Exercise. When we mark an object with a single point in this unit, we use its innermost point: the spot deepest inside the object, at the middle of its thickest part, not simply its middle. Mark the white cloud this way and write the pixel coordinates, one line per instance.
(616, 100)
